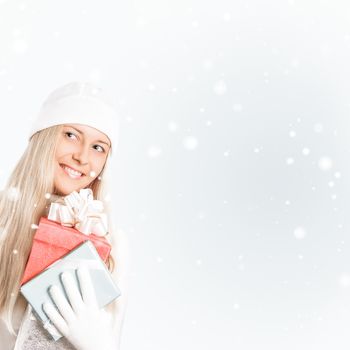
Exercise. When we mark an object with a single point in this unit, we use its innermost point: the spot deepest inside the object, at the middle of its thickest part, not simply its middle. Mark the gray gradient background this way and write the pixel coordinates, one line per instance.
(233, 166)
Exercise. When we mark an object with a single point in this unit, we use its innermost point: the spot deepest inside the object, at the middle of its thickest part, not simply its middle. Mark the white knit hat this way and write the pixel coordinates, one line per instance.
(79, 103)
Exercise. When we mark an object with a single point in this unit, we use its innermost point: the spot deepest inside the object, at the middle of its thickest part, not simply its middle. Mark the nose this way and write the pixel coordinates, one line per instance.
(82, 155)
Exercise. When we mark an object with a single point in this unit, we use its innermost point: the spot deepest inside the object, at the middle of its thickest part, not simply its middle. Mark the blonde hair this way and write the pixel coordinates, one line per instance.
(22, 203)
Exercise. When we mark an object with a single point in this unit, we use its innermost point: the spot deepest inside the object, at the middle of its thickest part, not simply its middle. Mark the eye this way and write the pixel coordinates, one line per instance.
(102, 149)
(69, 133)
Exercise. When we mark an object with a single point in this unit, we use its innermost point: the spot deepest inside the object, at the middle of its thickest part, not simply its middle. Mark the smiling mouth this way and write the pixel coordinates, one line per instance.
(73, 174)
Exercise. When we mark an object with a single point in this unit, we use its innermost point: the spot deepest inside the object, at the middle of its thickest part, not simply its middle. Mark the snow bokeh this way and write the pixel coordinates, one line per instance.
(231, 176)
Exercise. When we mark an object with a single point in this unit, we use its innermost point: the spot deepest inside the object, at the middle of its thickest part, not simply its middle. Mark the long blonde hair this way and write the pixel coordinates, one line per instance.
(23, 202)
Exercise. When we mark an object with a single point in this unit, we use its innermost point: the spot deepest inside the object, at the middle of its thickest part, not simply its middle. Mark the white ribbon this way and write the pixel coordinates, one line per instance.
(80, 211)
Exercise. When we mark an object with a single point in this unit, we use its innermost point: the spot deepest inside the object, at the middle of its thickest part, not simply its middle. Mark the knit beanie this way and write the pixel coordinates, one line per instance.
(79, 103)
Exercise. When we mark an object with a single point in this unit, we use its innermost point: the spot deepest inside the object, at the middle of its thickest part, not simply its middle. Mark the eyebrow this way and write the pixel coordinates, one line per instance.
(68, 126)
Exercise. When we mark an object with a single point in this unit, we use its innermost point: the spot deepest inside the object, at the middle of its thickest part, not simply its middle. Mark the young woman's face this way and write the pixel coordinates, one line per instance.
(80, 156)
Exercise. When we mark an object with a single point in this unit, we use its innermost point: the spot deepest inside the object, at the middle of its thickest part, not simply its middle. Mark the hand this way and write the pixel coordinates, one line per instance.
(81, 321)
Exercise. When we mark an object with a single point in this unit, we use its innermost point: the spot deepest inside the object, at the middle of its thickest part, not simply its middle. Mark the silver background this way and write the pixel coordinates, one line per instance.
(231, 179)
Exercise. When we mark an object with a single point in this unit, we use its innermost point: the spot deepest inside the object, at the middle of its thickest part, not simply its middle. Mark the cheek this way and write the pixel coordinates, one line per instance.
(97, 165)
(58, 153)
(64, 148)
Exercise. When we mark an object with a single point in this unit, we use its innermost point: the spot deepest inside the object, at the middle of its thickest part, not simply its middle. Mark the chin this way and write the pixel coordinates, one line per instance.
(62, 192)
(66, 190)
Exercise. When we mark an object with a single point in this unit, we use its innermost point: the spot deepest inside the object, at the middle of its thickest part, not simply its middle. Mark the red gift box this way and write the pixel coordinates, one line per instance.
(52, 241)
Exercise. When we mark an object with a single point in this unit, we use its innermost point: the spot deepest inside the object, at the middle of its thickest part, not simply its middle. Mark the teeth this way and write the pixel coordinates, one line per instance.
(72, 172)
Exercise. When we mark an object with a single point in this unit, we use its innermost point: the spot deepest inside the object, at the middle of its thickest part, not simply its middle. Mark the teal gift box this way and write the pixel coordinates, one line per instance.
(36, 291)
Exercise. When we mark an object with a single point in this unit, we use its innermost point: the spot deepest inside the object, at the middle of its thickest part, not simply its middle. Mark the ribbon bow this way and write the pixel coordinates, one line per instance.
(81, 211)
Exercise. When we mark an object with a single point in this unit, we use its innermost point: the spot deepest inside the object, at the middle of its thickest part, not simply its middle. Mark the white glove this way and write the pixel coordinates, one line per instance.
(84, 325)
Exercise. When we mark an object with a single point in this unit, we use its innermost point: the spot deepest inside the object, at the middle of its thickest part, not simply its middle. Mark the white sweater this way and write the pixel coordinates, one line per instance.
(31, 334)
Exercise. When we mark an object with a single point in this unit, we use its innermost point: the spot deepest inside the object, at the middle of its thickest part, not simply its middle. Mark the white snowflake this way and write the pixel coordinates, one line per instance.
(227, 17)
(195, 24)
(13, 194)
(344, 280)
(142, 216)
(92, 173)
(172, 126)
(290, 161)
(151, 87)
(95, 74)
(22, 6)
(207, 64)
(325, 163)
(318, 128)
(300, 233)
(201, 215)
(220, 87)
(190, 142)
(237, 107)
(154, 151)
(294, 63)
(305, 151)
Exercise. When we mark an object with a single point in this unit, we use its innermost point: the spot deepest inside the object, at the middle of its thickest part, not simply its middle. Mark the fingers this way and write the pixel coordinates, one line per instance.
(86, 286)
(62, 304)
(73, 293)
(56, 318)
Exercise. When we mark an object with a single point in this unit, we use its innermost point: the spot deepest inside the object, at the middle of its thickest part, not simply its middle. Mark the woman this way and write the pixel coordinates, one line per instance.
(69, 149)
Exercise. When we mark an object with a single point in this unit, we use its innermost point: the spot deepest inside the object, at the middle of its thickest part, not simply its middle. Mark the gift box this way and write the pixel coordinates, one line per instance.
(52, 241)
(36, 291)
(71, 220)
